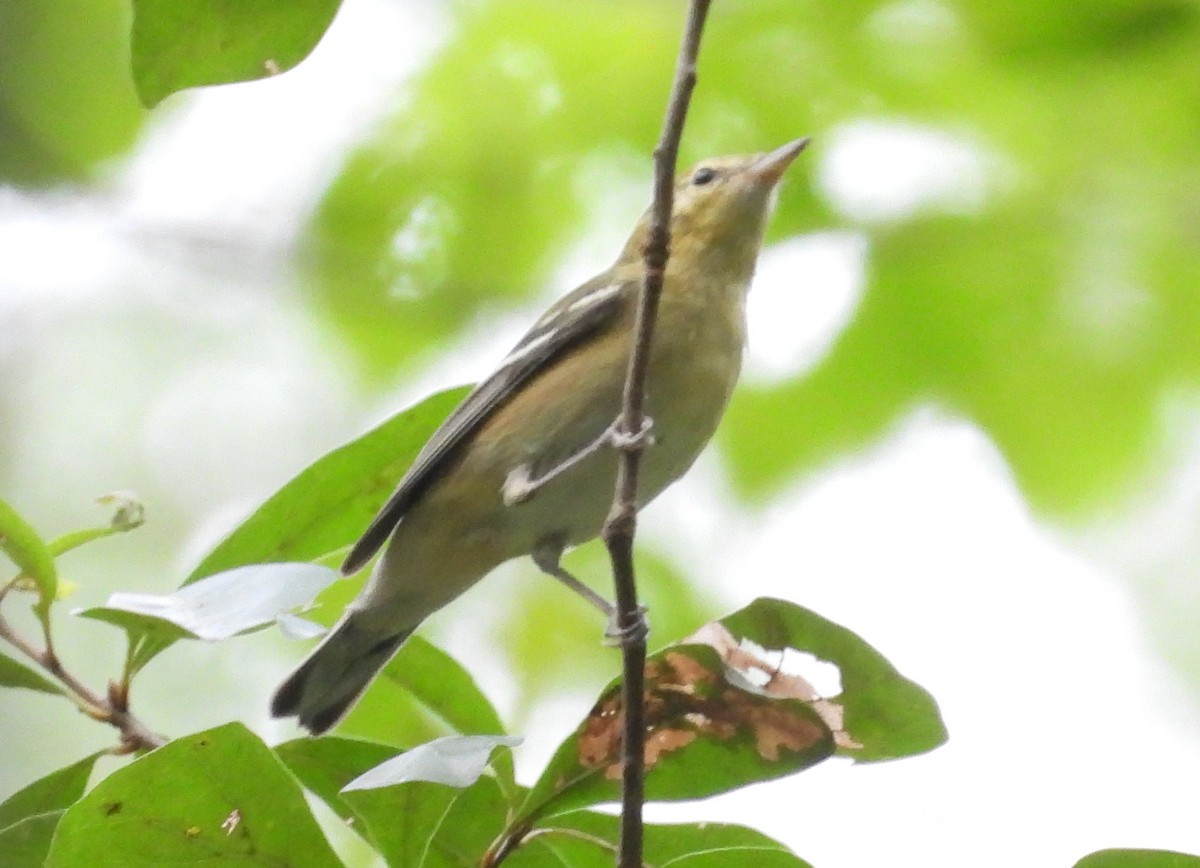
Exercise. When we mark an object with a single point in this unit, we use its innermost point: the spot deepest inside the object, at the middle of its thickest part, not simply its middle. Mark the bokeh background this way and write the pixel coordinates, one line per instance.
(969, 426)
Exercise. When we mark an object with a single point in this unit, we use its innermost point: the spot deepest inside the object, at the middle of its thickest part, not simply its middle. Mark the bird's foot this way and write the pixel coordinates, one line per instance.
(619, 635)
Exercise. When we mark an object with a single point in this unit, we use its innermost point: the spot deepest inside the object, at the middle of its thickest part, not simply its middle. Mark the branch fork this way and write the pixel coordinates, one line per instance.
(113, 708)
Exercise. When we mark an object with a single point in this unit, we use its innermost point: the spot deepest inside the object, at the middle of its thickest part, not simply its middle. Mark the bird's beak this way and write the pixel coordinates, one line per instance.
(770, 167)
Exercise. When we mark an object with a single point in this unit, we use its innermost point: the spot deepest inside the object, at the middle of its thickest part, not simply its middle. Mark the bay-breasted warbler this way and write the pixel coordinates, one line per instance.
(497, 480)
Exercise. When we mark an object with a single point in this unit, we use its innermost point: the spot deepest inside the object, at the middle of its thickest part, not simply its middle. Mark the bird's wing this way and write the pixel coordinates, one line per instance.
(573, 319)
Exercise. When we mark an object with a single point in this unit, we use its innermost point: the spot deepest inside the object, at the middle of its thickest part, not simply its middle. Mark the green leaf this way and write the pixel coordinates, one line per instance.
(585, 839)
(706, 734)
(412, 824)
(26, 843)
(888, 715)
(66, 104)
(721, 716)
(442, 686)
(1138, 859)
(14, 674)
(424, 693)
(179, 44)
(145, 646)
(325, 765)
(217, 797)
(328, 504)
(423, 825)
(29, 817)
(408, 823)
(57, 791)
(455, 761)
(219, 607)
(26, 549)
(148, 636)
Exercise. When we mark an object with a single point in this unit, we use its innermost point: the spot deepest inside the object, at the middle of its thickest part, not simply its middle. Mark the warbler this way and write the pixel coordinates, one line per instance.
(518, 469)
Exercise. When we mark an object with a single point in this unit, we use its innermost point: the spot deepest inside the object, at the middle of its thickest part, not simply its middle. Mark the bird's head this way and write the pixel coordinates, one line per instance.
(721, 205)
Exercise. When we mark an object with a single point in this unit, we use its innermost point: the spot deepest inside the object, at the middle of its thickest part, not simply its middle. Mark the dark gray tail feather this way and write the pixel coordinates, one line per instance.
(332, 678)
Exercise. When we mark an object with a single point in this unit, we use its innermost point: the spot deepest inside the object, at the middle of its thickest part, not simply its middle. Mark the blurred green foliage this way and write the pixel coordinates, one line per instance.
(1055, 315)
(66, 96)
(473, 188)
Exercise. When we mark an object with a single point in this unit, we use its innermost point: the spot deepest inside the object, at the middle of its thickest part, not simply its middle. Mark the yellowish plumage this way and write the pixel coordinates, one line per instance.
(448, 524)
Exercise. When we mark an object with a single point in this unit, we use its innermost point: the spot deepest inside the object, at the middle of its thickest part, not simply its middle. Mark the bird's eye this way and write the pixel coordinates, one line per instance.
(703, 176)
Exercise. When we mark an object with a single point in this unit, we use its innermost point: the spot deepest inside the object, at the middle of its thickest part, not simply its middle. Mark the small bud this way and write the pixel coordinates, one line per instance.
(129, 510)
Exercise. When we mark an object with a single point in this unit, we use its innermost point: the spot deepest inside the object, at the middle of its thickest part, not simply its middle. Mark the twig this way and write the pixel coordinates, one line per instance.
(621, 525)
(112, 709)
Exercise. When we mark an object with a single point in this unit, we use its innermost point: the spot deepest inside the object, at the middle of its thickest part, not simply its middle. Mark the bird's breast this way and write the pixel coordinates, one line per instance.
(694, 366)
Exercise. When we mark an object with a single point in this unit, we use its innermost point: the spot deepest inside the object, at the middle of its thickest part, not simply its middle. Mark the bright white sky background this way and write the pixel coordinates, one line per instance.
(1069, 732)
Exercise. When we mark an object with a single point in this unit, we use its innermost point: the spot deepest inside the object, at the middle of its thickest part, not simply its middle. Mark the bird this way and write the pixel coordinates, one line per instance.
(518, 467)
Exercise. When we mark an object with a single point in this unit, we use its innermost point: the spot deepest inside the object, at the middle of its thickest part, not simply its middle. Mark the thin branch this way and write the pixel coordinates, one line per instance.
(621, 525)
(112, 709)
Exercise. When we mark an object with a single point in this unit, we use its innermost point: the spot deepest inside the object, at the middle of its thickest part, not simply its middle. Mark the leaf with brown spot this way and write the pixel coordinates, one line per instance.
(686, 700)
(746, 665)
(721, 714)
(879, 713)
(705, 735)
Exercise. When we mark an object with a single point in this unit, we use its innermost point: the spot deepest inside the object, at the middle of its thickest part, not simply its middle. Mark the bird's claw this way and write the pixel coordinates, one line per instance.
(640, 439)
(618, 636)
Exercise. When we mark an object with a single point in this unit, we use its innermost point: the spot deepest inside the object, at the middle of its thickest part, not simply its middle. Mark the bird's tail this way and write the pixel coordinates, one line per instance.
(335, 674)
